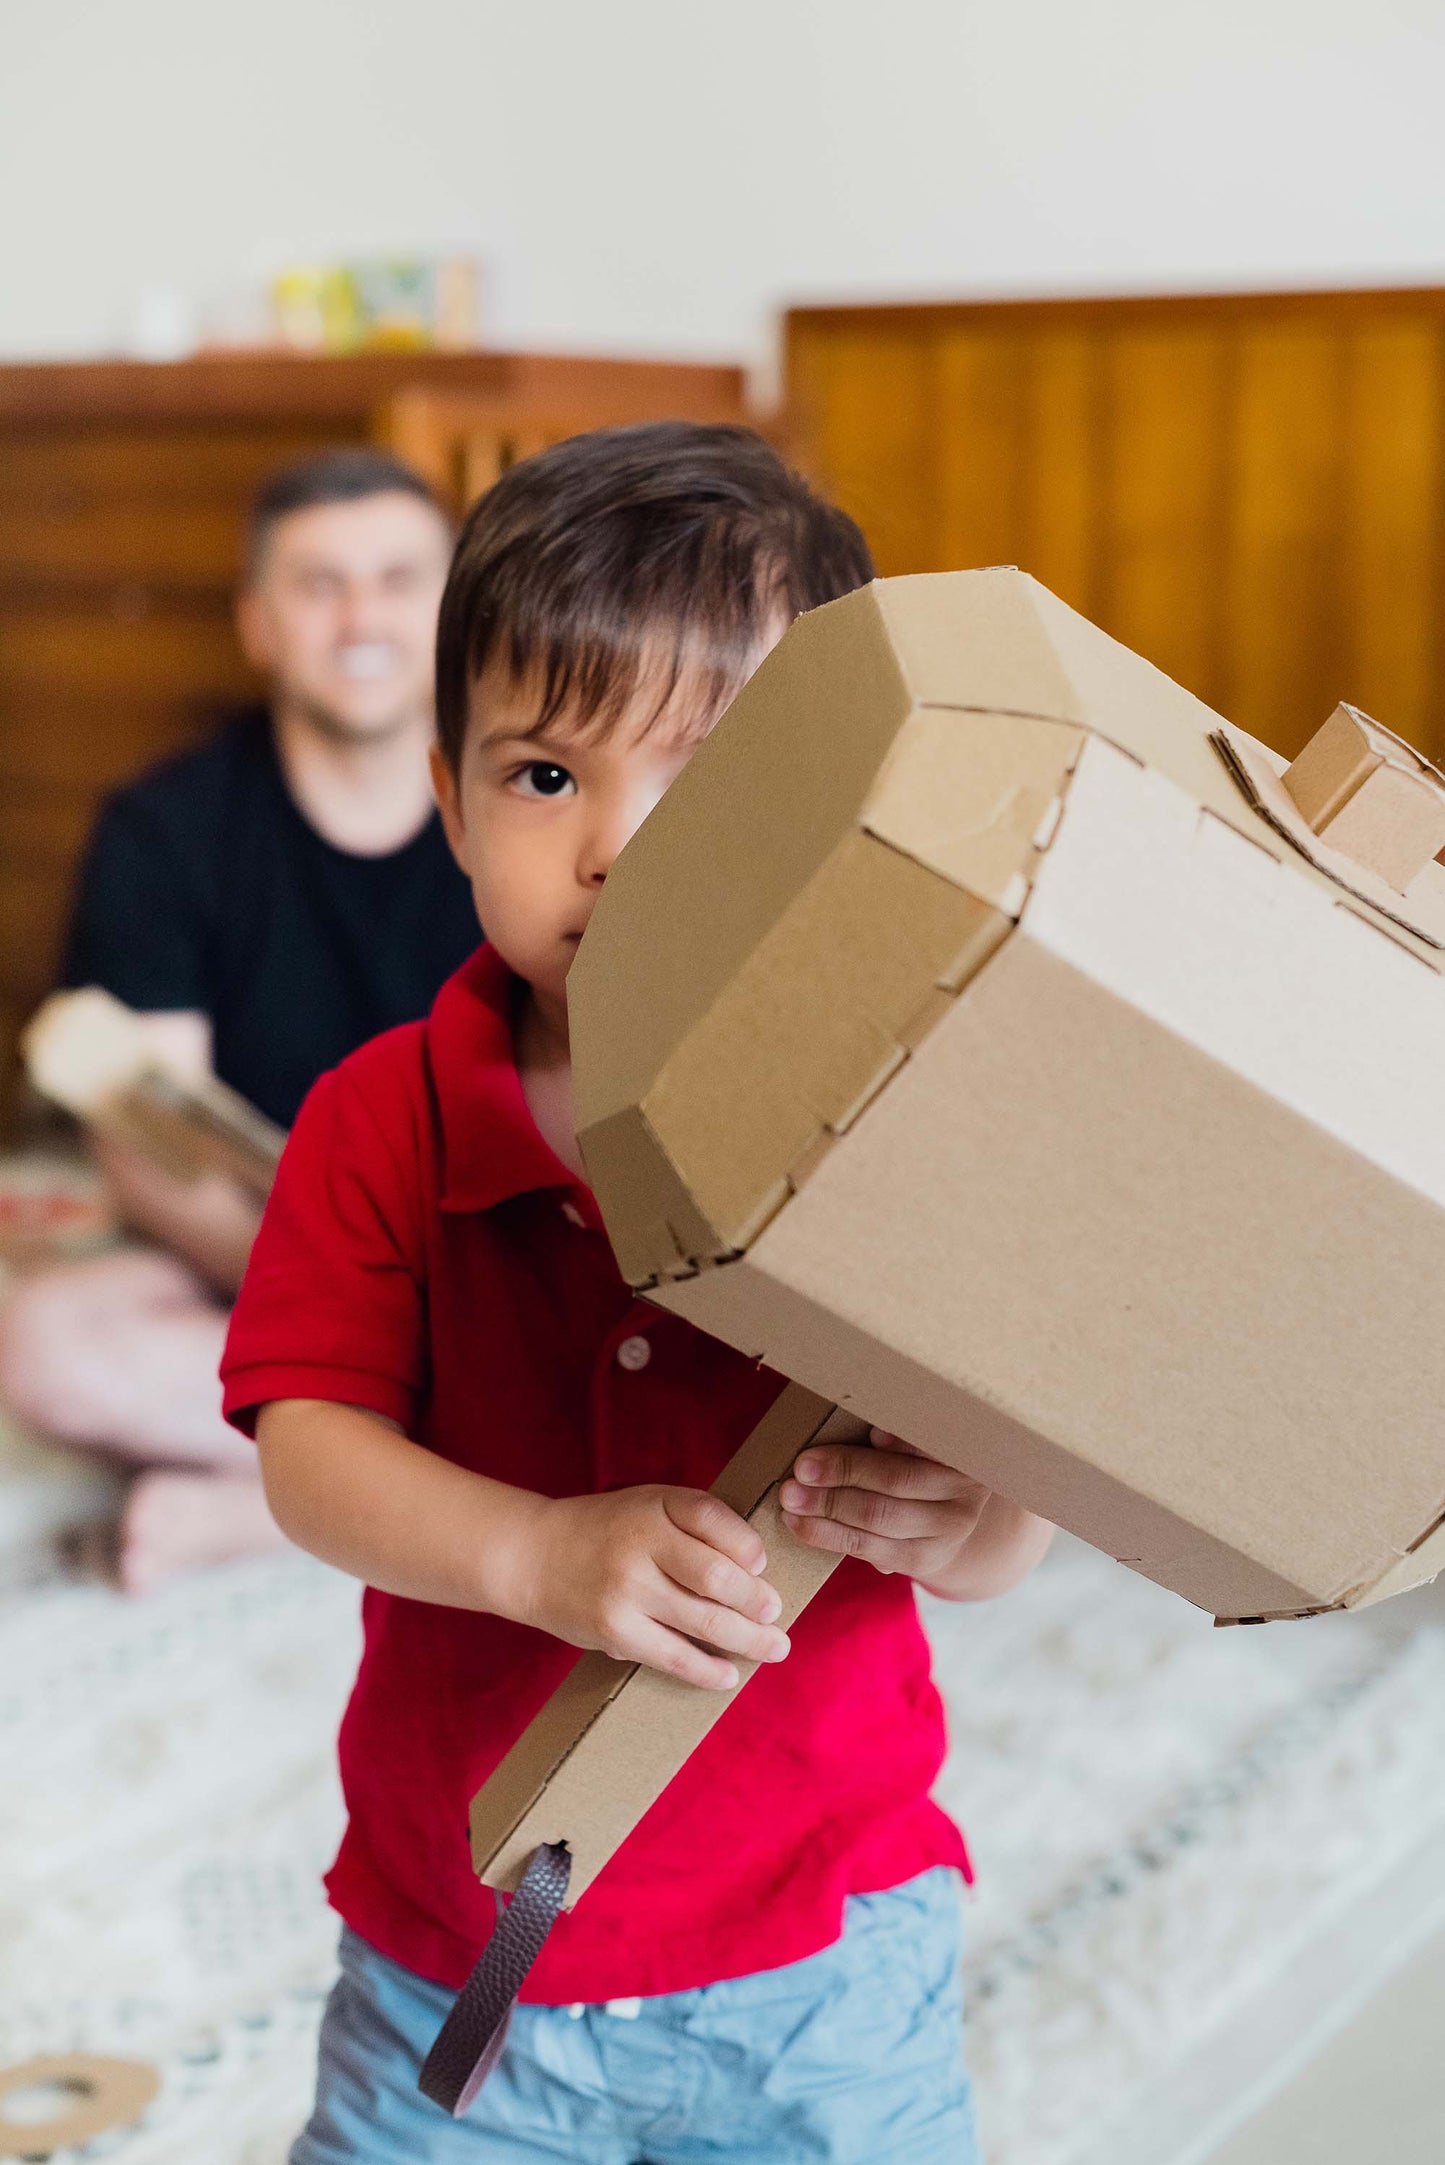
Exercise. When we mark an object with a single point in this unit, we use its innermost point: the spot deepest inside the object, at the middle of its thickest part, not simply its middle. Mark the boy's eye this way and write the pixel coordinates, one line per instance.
(542, 779)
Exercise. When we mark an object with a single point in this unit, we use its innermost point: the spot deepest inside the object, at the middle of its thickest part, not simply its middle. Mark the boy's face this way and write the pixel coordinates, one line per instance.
(536, 817)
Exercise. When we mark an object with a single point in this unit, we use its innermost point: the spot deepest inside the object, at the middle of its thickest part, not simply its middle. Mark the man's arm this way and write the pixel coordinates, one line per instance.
(139, 930)
(901, 1511)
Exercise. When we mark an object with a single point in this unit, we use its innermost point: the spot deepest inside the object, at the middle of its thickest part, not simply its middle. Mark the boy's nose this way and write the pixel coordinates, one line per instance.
(599, 854)
(610, 831)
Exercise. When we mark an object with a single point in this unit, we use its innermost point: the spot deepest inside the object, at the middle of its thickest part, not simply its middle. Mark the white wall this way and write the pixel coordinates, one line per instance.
(657, 175)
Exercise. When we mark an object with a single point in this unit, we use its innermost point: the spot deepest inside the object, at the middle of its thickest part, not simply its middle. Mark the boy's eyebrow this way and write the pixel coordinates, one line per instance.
(506, 734)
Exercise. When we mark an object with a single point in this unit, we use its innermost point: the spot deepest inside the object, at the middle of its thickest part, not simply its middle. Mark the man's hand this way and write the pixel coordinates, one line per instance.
(900, 1511)
(641, 1573)
(211, 1221)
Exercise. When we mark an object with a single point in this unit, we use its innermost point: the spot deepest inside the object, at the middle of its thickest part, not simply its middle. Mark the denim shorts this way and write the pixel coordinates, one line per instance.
(854, 2055)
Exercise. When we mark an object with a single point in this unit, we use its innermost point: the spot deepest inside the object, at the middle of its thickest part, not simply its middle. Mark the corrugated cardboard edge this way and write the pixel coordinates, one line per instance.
(600, 1752)
(1417, 1567)
(1425, 1561)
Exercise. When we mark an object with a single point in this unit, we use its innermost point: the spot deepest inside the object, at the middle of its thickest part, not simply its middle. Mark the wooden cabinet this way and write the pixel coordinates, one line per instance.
(123, 493)
(1249, 489)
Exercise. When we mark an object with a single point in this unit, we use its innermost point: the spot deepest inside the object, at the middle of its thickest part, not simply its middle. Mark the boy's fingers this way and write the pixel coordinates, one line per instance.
(708, 1518)
(918, 1559)
(703, 1570)
(895, 1517)
(658, 1648)
(718, 1626)
(892, 1473)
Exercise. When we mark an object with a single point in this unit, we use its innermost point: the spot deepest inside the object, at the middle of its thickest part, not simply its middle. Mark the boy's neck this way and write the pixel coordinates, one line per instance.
(544, 1068)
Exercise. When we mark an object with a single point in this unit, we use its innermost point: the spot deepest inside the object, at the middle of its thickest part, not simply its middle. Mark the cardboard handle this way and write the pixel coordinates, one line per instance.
(601, 1752)
(611, 1738)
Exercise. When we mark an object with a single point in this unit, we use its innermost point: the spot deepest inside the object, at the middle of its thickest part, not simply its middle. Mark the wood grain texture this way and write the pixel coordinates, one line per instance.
(1247, 488)
(123, 496)
(240, 387)
(463, 445)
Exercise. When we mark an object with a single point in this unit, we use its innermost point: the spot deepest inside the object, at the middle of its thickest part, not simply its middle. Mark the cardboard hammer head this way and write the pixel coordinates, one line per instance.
(979, 1034)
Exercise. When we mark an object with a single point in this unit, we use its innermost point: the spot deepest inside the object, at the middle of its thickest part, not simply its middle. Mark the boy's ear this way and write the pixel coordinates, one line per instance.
(449, 801)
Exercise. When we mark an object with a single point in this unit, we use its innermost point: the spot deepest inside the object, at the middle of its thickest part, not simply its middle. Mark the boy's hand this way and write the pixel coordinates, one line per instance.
(888, 1504)
(640, 1573)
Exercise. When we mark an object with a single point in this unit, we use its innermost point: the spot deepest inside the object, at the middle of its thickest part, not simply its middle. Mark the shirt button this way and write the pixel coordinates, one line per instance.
(633, 1353)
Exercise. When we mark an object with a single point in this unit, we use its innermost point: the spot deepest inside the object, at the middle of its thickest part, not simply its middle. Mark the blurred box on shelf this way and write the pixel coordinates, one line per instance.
(379, 304)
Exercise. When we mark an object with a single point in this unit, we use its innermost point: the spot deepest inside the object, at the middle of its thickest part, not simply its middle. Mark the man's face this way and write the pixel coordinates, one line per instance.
(537, 816)
(341, 612)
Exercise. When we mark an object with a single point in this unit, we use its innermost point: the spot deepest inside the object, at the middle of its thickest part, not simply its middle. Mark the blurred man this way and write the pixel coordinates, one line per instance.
(268, 902)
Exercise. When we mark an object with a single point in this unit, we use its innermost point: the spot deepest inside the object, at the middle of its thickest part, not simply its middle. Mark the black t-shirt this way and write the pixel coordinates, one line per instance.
(204, 887)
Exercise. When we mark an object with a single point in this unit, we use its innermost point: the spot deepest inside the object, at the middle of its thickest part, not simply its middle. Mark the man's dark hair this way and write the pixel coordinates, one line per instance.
(670, 541)
(343, 476)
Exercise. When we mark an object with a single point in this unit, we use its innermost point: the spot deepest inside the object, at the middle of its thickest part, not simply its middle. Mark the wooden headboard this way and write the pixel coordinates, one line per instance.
(1247, 488)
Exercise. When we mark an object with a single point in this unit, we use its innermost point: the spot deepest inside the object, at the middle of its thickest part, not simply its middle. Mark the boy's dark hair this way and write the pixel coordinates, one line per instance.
(343, 476)
(585, 562)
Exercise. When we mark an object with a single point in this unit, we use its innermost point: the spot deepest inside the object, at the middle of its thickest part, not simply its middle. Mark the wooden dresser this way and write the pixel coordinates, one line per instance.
(123, 491)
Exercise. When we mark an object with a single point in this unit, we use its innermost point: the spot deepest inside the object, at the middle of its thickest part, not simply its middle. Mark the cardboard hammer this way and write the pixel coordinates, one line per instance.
(989, 1038)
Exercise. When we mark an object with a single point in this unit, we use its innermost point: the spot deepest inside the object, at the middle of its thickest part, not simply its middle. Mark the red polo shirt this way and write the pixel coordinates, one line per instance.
(426, 1255)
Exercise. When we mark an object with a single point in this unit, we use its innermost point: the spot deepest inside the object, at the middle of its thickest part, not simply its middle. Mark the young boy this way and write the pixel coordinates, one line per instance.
(458, 1399)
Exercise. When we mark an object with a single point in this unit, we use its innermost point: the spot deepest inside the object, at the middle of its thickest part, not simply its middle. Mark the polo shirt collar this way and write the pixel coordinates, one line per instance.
(492, 1149)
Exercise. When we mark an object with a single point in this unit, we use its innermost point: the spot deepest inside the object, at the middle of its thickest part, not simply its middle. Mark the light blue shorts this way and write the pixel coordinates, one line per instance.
(854, 2056)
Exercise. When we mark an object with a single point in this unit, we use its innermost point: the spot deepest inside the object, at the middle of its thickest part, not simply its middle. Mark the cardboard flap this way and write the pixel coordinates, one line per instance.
(1367, 793)
(1258, 772)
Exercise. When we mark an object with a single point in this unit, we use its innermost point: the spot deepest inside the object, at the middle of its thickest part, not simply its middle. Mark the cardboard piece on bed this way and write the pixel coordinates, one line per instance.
(965, 1036)
(98, 2095)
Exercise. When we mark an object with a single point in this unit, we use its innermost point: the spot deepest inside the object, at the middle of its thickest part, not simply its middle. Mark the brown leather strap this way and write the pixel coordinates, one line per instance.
(469, 2043)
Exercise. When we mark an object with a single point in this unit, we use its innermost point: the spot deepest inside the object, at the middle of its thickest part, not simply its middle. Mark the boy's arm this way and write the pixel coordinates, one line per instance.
(901, 1511)
(637, 1573)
